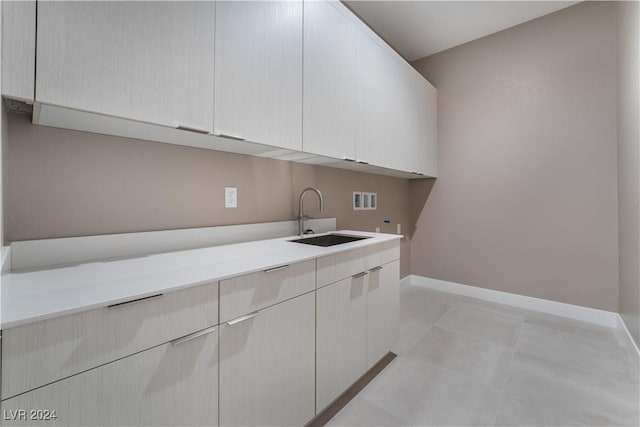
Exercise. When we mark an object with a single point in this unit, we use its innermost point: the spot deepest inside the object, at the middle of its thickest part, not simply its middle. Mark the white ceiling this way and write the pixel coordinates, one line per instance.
(421, 28)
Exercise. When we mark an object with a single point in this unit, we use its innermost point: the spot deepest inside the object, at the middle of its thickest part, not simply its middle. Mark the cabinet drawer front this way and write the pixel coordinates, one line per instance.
(39, 353)
(246, 294)
(267, 366)
(168, 385)
(336, 267)
(383, 253)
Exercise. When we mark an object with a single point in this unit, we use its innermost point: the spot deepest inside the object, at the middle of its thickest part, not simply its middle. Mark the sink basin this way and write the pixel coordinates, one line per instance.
(328, 239)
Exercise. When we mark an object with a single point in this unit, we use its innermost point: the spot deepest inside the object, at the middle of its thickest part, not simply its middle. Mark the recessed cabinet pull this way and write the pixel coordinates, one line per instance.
(349, 159)
(376, 268)
(269, 270)
(243, 318)
(362, 162)
(191, 128)
(364, 273)
(228, 135)
(189, 337)
(135, 301)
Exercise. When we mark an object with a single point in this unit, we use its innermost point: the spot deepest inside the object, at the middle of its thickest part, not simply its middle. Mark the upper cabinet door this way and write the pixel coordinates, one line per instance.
(258, 72)
(18, 49)
(381, 131)
(146, 61)
(422, 153)
(329, 80)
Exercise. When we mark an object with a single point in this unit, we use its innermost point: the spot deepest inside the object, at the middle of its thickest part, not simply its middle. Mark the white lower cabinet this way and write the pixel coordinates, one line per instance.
(267, 365)
(341, 330)
(285, 351)
(170, 385)
(382, 310)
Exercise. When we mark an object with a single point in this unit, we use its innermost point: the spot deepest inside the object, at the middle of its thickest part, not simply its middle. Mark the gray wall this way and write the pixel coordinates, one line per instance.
(526, 198)
(65, 183)
(628, 17)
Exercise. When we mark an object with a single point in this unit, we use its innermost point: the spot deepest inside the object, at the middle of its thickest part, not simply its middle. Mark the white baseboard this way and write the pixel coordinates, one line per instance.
(585, 314)
(406, 280)
(627, 341)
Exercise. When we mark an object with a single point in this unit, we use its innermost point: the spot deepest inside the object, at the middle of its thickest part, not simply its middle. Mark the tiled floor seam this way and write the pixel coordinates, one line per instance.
(466, 335)
(630, 374)
(456, 373)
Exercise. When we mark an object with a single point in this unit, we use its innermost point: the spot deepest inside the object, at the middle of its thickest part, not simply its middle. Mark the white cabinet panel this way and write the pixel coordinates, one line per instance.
(329, 80)
(146, 61)
(422, 150)
(164, 386)
(267, 366)
(42, 352)
(382, 311)
(342, 265)
(18, 49)
(380, 132)
(251, 292)
(258, 71)
(341, 333)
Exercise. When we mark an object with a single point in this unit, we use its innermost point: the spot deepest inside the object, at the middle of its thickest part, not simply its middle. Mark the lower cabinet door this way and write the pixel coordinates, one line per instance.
(168, 385)
(267, 366)
(341, 337)
(383, 295)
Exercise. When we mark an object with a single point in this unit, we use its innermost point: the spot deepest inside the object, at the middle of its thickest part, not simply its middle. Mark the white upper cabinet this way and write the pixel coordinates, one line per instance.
(146, 61)
(422, 148)
(18, 49)
(330, 103)
(396, 123)
(258, 72)
(380, 132)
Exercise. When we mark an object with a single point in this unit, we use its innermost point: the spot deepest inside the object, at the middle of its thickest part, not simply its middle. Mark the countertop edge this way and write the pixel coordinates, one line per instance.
(376, 238)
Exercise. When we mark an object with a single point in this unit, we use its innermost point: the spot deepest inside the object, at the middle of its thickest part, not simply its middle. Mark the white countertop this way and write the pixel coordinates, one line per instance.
(44, 294)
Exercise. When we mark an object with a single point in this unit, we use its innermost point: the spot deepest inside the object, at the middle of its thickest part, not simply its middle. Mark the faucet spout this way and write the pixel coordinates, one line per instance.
(301, 215)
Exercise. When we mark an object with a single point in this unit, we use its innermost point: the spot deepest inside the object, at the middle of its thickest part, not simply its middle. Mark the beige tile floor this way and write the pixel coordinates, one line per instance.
(464, 362)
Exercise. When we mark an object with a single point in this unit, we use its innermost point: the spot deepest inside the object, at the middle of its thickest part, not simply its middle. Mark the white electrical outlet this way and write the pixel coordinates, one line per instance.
(373, 201)
(230, 197)
(377, 229)
(398, 229)
(357, 201)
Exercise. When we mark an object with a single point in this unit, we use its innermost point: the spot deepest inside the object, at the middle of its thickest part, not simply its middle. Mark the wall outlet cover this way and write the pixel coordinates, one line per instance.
(231, 197)
(357, 200)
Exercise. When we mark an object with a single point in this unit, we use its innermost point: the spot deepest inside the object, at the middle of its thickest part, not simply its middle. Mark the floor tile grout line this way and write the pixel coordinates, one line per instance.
(464, 334)
(488, 310)
(564, 365)
(585, 370)
(455, 373)
(547, 409)
(523, 321)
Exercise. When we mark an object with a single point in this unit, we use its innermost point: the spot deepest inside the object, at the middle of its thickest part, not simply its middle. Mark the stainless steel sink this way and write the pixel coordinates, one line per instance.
(329, 239)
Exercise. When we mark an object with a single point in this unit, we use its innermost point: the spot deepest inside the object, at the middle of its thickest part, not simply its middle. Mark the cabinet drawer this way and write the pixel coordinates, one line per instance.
(42, 352)
(339, 266)
(168, 385)
(246, 294)
(383, 253)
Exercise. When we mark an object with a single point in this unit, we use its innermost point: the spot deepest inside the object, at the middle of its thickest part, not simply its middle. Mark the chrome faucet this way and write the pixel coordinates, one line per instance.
(301, 215)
